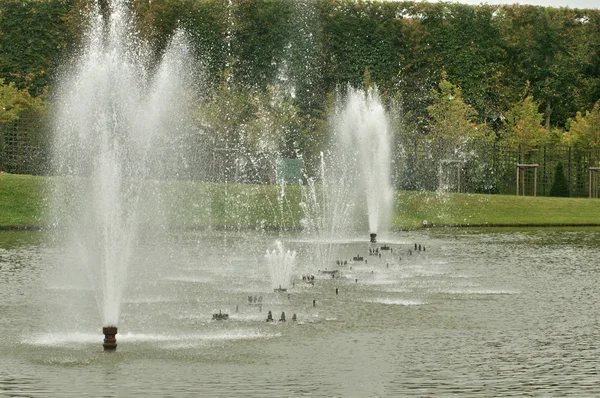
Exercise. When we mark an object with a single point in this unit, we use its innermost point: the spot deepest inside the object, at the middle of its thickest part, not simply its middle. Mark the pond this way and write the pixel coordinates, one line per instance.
(493, 312)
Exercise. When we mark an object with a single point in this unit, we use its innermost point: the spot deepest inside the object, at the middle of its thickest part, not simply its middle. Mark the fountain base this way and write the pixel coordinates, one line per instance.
(220, 316)
(280, 289)
(110, 341)
(373, 237)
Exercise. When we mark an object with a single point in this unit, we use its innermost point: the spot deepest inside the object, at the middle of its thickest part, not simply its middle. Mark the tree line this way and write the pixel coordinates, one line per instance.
(453, 76)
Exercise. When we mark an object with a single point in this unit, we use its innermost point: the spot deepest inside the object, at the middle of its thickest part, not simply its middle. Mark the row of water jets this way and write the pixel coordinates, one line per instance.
(117, 126)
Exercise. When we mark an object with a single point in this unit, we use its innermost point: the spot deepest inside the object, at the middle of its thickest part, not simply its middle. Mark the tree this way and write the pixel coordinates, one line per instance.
(452, 122)
(584, 131)
(523, 126)
(277, 123)
(548, 48)
(35, 37)
(358, 35)
(14, 103)
(225, 116)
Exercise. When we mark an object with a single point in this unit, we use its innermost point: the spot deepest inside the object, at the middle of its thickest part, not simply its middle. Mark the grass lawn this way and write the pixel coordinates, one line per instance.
(413, 208)
(21, 200)
(261, 206)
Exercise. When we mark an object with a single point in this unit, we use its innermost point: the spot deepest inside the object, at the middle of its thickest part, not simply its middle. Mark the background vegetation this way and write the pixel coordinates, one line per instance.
(474, 83)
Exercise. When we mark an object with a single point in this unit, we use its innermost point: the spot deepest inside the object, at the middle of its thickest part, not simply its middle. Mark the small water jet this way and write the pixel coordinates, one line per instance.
(327, 204)
(281, 264)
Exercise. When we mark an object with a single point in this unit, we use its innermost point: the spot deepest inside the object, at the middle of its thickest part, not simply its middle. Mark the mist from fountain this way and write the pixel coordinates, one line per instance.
(117, 117)
(327, 209)
(363, 143)
(281, 264)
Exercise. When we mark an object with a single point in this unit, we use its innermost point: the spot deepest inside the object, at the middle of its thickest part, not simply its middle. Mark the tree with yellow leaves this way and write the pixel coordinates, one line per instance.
(584, 131)
(452, 121)
(523, 127)
(14, 102)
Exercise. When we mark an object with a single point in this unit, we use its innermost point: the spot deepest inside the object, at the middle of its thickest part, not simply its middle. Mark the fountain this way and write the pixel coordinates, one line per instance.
(359, 161)
(363, 141)
(281, 265)
(113, 110)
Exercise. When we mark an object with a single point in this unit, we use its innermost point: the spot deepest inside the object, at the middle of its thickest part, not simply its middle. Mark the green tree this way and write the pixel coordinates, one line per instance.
(358, 35)
(465, 43)
(584, 131)
(523, 126)
(225, 115)
(259, 36)
(15, 103)
(452, 121)
(546, 46)
(35, 38)
(277, 123)
(205, 24)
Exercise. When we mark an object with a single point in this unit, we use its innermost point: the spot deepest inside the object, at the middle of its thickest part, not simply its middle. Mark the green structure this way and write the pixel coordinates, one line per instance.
(289, 171)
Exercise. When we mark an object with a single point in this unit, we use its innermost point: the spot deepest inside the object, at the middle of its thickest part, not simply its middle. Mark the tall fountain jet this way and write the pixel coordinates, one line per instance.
(117, 111)
(364, 140)
(355, 170)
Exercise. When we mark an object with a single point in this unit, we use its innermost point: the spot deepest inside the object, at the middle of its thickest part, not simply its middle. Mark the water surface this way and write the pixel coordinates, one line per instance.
(479, 313)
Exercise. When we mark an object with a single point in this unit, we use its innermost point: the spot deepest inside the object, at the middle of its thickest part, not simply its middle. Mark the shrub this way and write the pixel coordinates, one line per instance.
(560, 187)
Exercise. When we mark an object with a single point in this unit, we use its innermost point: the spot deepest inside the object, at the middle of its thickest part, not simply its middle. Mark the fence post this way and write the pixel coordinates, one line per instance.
(535, 181)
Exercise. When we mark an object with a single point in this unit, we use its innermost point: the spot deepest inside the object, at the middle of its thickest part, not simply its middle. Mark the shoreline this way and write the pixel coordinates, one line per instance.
(40, 228)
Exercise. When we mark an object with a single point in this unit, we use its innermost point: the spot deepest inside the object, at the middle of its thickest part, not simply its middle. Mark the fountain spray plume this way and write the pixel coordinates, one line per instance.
(327, 204)
(109, 141)
(281, 264)
(363, 133)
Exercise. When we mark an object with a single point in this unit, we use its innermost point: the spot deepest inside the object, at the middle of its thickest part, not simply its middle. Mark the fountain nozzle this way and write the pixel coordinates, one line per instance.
(110, 342)
(373, 237)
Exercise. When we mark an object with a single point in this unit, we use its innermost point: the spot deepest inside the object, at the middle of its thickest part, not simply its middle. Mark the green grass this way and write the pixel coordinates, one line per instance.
(413, 208)
(244, 206)
(21, 200)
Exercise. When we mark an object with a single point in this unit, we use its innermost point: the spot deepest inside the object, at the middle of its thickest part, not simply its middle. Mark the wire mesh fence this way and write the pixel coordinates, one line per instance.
(485, 168)
(24, 146)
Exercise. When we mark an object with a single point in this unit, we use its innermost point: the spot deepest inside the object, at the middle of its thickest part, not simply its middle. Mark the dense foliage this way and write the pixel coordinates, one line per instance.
(453, 75)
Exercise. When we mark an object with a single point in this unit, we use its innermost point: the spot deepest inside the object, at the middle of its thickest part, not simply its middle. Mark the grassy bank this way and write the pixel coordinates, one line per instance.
(21, 200)
(413, 208)
(255, 206)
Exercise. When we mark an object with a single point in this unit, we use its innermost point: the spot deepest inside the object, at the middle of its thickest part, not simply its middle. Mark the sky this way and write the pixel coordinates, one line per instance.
(545, 3)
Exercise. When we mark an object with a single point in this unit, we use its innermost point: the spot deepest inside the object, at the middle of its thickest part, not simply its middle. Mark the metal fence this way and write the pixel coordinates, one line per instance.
(24, 146)
(487, 168)
(492, 168)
